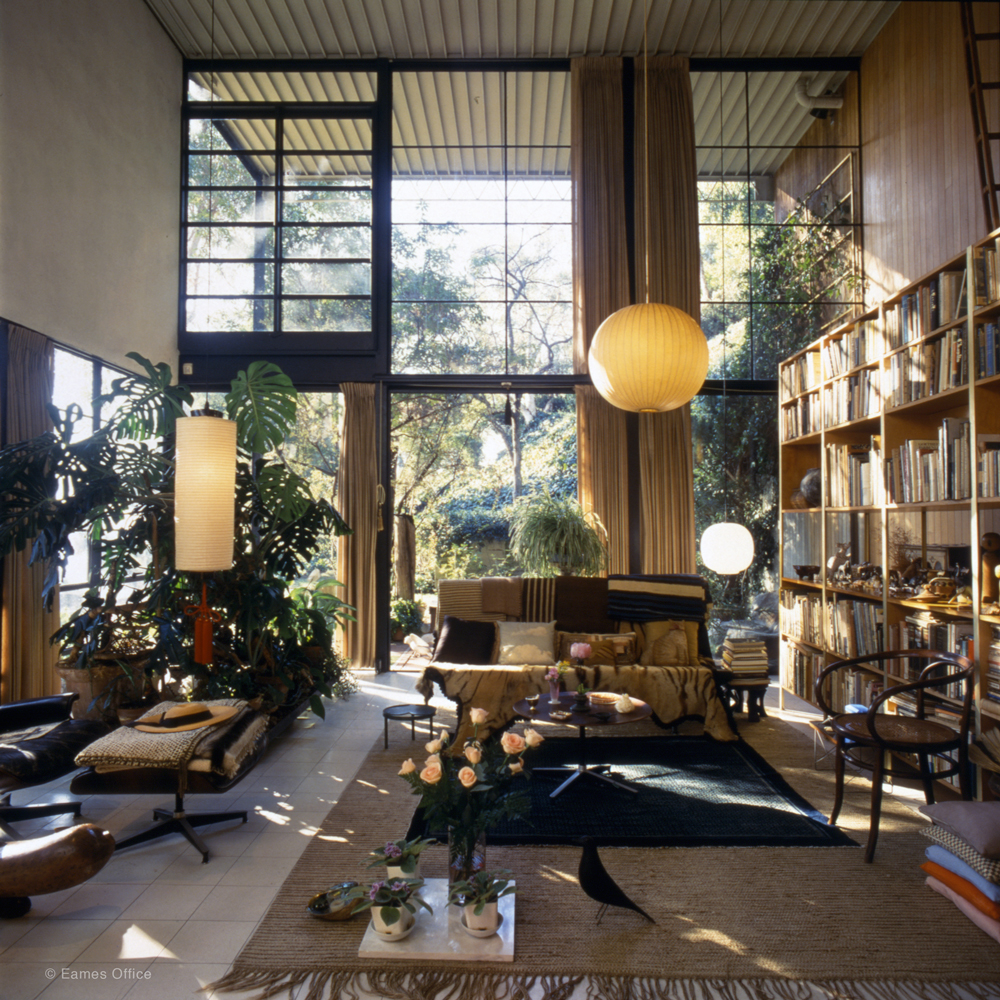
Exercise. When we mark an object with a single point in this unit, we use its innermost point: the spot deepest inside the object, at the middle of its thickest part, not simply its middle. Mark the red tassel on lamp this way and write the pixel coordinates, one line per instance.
(204, 511)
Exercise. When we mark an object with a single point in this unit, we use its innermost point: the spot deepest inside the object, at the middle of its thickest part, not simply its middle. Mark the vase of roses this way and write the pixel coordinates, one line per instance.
(393, 905)
(465, 790)
(554, 676)
(400, 857)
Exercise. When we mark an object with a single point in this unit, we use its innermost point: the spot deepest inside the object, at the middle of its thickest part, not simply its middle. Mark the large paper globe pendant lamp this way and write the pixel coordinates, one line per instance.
(727, 548)
(648, 358)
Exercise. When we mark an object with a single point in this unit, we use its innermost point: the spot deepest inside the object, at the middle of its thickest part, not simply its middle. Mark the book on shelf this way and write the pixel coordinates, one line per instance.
(985, 277)
(987, 349)
(988, 465)
(951, 295)
(926, 470)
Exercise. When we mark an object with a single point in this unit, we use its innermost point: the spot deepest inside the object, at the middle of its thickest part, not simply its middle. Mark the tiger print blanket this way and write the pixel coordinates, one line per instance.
(672, 692)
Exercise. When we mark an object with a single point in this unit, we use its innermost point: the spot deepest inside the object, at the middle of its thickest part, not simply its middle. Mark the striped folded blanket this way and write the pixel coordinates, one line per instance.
(681, 596)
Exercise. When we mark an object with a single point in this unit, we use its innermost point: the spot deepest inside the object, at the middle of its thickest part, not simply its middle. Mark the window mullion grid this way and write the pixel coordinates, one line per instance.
(279, 220)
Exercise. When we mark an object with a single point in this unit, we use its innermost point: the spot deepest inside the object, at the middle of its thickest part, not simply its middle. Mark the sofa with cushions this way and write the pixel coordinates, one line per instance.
(497, 637)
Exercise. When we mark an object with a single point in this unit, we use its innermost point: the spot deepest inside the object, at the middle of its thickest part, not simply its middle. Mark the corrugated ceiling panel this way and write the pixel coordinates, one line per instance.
(399, 29)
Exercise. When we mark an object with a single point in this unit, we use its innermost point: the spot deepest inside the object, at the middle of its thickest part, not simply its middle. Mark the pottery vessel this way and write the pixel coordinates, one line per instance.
(488, 920)
(399, 929)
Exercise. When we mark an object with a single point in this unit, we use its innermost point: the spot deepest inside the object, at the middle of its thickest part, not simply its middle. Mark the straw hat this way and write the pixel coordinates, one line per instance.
(183, 716)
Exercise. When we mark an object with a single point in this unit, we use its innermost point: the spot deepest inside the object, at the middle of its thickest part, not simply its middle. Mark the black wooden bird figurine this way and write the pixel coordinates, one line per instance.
(598, 884)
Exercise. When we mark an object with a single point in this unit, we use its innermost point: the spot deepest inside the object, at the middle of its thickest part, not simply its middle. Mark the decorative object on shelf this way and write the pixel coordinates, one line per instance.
(807, 573)
(478, 896)
(840, 558)
(811, 487)
(468, 789)
(393, 905)
(990, 562)
(335, 903)
(400, 857)
(797, 500)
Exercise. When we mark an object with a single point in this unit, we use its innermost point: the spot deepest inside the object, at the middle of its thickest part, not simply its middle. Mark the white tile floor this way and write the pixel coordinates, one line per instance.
(157, 924)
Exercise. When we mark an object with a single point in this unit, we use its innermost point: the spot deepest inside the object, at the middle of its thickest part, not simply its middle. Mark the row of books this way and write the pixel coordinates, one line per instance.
(942, 300)
(928, 630)
(986, 277)
(800, 375)
(854, 474)
(745, 657)
(858, 346)
(853, 398)
(801, 616)
(799, 670)
(802, 417)
(987, 344)
(991, 683)
(928, 368)
(854, 628)
(927, 470)
(988, 465)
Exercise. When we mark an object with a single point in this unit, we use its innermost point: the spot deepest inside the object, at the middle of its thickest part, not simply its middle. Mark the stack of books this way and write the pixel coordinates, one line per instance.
(745, 657)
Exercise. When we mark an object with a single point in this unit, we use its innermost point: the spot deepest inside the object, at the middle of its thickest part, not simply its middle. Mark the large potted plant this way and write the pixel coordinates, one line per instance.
(552, 535)
(116, 486)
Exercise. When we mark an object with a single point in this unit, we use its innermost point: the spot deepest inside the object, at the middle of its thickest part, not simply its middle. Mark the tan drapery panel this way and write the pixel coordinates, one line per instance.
(27, 659)
(666, 465)
(600, 286)
(358, 502)
(602, 470)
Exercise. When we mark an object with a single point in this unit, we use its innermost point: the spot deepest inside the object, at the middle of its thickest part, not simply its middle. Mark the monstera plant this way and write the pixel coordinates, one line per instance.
(271, 645)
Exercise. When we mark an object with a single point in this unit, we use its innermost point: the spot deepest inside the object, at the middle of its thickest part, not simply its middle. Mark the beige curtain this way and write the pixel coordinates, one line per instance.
(600, 286)
(666, 465)
(358, 502)
(27, 659)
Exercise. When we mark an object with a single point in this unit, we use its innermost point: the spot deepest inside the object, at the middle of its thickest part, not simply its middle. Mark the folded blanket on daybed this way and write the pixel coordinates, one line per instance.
(672, 692)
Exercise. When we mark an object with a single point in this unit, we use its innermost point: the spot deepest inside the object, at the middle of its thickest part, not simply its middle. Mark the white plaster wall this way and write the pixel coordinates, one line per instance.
(90, 94)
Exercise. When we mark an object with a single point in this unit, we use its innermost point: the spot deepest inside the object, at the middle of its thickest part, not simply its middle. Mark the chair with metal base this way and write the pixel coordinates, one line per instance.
(868, 739)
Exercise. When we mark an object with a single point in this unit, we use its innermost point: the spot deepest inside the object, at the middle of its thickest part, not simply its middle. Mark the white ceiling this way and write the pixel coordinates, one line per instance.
(425, 105)
(477, 29)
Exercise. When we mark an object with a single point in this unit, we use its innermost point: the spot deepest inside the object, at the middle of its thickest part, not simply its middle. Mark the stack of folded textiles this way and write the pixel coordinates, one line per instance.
(964, 862)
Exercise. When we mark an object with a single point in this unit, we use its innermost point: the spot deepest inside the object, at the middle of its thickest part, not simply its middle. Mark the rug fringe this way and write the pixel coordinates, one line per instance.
(445, 984)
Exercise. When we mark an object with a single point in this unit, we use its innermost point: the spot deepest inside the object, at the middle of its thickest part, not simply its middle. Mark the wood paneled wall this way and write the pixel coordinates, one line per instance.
(921, 183)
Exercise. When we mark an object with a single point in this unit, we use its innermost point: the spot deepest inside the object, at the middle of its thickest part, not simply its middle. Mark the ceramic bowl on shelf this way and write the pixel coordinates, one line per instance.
(806, 572)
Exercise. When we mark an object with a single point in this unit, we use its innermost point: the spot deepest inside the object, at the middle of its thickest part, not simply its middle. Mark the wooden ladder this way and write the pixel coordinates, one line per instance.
(984, 137)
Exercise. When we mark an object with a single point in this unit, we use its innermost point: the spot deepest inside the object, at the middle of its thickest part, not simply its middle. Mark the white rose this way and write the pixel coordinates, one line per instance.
(478, 716)
(408, 767)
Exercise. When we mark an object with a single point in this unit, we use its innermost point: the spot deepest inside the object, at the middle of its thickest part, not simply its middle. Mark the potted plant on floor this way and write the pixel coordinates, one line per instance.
(478, 896)
(405, 617)
(116, 486)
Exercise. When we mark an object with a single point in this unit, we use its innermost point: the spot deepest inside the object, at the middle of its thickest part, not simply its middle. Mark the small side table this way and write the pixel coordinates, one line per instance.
(403, 713)
(755, 688)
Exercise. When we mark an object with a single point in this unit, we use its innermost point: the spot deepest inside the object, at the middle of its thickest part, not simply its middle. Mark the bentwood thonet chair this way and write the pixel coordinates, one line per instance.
(866, 739)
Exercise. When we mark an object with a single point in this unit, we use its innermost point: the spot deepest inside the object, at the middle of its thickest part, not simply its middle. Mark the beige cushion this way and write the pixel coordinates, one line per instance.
(521, 643)
(605, 647)
(654, 631)
(977, 823)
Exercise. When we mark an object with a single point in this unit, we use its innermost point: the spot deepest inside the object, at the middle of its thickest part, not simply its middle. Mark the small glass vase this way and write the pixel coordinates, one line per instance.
(466, 854)
(554, 692)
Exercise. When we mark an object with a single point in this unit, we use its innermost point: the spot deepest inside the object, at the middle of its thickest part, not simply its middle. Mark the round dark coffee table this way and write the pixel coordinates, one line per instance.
(408, 713)
(583, 721)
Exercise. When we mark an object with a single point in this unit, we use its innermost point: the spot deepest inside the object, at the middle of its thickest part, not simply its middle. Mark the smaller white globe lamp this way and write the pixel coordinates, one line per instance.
(727, 548)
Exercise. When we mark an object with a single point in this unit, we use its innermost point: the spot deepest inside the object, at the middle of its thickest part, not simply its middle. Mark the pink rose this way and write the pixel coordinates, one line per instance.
(512, 743)
(580, 650)
(408, 767)
(478, 716)
(532, 738)
(473, 754)
(468, 777)
(517, 767)
(431, 774)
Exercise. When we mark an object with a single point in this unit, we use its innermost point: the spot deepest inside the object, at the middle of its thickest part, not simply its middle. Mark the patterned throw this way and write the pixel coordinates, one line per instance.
(653, 598)
(672, 692)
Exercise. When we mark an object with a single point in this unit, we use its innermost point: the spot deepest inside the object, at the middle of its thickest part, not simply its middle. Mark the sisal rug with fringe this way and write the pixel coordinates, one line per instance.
(745, 923)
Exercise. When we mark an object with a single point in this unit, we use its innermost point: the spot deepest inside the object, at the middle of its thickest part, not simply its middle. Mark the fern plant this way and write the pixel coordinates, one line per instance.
(551, 535)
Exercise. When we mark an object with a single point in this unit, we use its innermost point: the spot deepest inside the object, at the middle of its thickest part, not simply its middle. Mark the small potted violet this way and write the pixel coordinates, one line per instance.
(478, 896)
(393, 905)
(400, 857)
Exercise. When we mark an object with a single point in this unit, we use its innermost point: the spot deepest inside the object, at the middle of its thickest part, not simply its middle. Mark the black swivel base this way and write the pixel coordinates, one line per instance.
(12, 814)
(179, 821)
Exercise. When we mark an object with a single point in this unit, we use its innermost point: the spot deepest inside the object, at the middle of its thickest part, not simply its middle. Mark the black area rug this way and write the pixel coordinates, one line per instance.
(692, 792)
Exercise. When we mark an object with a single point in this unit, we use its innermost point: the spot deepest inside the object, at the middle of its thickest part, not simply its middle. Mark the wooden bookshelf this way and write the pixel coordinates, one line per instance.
(899, 410)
